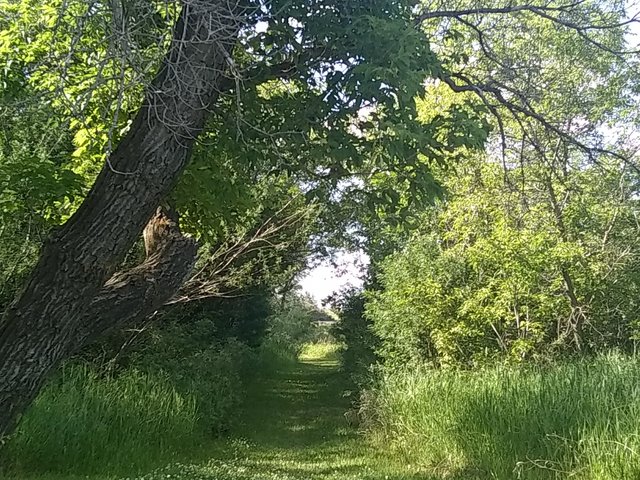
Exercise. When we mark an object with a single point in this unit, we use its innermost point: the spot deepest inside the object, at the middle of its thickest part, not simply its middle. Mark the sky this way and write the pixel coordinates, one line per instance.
(330, 277)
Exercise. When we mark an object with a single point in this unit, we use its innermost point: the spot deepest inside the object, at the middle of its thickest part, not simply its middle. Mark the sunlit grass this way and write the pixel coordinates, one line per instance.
(320, 352)
(85, 420)
(579, 419)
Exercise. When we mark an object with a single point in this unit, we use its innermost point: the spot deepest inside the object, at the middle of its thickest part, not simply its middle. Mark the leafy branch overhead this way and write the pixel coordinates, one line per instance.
(519, 54)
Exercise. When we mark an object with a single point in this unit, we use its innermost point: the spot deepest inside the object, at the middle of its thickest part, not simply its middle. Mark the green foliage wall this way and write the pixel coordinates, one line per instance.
(353, 331)
(495, 272)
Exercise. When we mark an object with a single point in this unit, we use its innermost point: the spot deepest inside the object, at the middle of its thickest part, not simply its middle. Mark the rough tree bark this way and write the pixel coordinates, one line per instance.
(143, 289)
(73, 295)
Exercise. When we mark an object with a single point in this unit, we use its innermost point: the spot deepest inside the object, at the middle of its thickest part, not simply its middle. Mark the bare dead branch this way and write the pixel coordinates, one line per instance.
(216, 276)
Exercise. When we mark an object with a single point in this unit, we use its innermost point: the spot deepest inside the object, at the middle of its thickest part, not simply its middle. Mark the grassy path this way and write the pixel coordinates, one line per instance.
(294, 429)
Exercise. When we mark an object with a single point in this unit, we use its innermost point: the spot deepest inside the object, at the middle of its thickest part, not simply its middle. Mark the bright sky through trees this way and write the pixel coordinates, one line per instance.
(329, 277)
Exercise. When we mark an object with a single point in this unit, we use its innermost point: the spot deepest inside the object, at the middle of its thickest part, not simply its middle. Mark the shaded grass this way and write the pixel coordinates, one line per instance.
(579, 419)
(84, 420)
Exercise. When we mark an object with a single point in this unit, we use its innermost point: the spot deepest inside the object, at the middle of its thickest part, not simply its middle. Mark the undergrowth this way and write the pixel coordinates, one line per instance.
(94, 420)
(117, 411)
(577, 419)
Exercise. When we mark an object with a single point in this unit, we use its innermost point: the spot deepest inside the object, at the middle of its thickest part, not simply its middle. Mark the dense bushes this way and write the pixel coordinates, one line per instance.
(199, 364)
(494, 274)
(294, 323)
(491, 328)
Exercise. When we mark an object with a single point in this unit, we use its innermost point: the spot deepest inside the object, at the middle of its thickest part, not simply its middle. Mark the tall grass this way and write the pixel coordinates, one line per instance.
(85, 422)
(574, 420)
(163, 407)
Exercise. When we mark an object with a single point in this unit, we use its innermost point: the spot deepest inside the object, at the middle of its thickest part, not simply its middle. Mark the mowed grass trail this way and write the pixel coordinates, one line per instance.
(294, 428)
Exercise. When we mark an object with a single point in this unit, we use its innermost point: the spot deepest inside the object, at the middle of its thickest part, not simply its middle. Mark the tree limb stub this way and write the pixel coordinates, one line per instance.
(140, 291)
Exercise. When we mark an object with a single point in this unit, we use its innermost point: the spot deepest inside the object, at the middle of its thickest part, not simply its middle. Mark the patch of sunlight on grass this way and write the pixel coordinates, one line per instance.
(320, 352)
(299, 428)
(344, 468)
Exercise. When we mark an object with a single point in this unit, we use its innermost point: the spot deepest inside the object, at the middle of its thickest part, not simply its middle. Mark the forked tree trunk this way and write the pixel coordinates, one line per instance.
(73, 295)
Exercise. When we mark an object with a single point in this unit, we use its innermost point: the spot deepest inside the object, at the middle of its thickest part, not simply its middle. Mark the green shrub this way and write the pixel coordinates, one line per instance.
(200, 365)
(577, 420)
(353, 331)
(288, 330)
(242, 317)
(488, 276)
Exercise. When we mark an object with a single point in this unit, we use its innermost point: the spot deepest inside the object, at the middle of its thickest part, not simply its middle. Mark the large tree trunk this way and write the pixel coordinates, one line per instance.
(136, 293)
(72, 296)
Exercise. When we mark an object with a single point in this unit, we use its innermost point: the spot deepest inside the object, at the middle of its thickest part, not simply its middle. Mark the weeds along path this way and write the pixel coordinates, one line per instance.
(294, 429)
